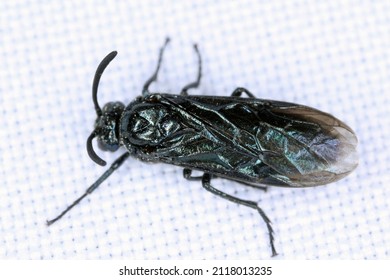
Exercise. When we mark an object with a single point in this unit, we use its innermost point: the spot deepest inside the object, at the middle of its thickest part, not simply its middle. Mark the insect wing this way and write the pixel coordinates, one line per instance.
(258, 141)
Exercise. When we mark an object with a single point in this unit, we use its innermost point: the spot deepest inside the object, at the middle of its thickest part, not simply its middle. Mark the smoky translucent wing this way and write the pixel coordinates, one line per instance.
(258, 141)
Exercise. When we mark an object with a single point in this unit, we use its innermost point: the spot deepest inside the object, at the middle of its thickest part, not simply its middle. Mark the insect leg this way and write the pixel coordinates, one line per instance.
(206, 179)
(187, 175)
(195, 84)
(264, 189)
(145, 90)
(240, 90)
(115, 165)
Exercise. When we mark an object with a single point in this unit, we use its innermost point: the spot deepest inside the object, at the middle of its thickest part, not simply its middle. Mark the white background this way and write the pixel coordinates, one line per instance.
(331, 55)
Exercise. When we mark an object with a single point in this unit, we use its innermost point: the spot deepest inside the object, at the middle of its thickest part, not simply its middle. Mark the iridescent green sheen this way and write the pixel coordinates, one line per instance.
(259, 142)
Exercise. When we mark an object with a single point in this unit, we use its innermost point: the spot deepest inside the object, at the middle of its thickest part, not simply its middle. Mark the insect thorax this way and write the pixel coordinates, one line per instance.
(146, 124)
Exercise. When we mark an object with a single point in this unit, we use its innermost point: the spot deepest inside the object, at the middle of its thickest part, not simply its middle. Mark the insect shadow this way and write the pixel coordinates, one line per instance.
(253, 141)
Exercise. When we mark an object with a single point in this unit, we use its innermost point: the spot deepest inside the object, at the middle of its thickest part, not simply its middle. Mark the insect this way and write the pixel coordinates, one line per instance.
(254, 141)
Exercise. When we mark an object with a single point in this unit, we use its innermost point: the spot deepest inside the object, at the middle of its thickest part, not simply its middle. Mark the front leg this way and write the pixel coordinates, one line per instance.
(153, 78)
(114, 166)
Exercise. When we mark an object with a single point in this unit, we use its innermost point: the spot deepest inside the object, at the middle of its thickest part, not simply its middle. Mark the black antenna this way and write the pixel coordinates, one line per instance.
(99, 71)
(91, 151)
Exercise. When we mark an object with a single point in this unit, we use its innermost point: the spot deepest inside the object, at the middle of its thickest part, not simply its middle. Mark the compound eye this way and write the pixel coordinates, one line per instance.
(102, 145)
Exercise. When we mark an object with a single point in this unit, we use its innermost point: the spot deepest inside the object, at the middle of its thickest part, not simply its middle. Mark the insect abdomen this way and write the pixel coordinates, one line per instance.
(313, 148)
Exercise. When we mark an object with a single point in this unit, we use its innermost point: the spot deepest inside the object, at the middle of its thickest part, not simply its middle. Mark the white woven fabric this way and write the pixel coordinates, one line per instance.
(332, 55)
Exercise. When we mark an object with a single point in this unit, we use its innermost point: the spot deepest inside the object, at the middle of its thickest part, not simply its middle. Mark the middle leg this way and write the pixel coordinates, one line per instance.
(195, 84)
(206, 179)
(238, 92)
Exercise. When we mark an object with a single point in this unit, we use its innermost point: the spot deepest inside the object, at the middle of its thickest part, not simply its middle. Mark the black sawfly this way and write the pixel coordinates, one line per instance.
(254, 141)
